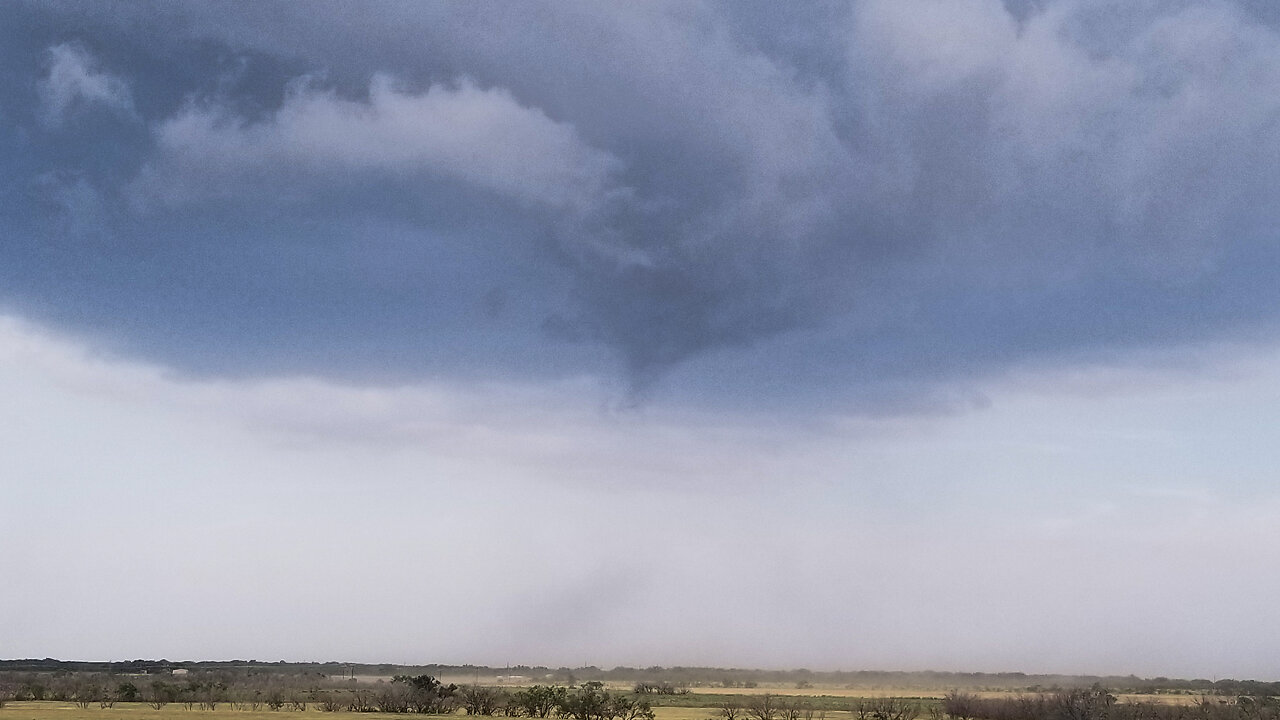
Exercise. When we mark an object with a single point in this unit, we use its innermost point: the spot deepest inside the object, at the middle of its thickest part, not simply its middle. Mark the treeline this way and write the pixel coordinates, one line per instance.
(678, 676)
(1099, 704)
(1078, 704)
(155, 667)
(417, 694)
(207, 689)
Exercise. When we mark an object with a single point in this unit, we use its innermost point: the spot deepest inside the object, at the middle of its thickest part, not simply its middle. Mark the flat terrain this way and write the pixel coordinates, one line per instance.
(698, 705)
(141, 711)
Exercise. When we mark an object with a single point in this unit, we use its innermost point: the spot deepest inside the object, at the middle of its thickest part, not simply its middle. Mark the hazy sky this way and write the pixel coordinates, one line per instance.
(893, 334)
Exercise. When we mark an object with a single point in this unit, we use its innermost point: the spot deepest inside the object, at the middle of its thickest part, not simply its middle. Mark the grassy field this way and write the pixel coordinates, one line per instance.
(141, 711)
(700, 705)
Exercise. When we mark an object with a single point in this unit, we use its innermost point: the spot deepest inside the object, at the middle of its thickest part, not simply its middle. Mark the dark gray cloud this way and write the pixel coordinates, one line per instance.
(719, 201)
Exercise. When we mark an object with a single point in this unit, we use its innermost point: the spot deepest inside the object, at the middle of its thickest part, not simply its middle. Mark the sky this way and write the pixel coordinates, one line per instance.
(890, 334)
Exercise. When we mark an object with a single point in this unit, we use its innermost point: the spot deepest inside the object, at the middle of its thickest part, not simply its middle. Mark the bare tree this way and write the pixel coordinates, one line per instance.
(763, 707)
(480, 700)
(210, 694)
(728, 710)
(887, 709)
(959, 706)
(392, 699)
(361, 701)
(87, 692)
(331, 701)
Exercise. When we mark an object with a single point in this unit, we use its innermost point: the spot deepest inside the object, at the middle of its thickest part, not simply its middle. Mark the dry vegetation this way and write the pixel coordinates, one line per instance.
(49, 690)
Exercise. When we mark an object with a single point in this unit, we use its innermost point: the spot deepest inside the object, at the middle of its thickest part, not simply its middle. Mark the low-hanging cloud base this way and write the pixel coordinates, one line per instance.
(860, 200)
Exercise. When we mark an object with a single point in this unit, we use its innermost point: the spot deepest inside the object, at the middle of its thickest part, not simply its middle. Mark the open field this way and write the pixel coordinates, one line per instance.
(832, 695)
(692, 706)
(139, 711)
(828, 696)
(709, 696)
(49, 710)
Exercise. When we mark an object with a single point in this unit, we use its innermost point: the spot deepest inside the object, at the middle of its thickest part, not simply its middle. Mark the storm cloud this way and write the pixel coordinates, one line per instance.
(845, 196)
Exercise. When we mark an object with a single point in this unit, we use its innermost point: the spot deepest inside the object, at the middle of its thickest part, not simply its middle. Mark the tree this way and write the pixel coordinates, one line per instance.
(593, 702)
(957, 705)
(427, 694)
(33, 690)
(210, 694)
(790, 709)
(87, 692)
(331, 701)
(393, 699)
(589, 702)
(480, 700)
(625, 708)
(896, 709)
(728, 710)
(361, 701)
(159, 694)
(274, 699)
(538, 701)
(763, 707)
(127, 692)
